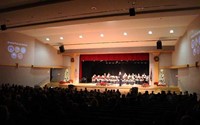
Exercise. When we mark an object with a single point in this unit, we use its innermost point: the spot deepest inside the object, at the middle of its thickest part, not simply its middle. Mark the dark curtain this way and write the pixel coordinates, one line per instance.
(134, 57)
(90, 68)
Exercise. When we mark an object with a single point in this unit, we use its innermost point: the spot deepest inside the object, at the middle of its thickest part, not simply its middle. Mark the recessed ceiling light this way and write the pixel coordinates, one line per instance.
(102, 35)
(150, 32)
(171, 31)
(80, 36)
(61, 38)
(125, 33)
(47, 39)
(93, 8)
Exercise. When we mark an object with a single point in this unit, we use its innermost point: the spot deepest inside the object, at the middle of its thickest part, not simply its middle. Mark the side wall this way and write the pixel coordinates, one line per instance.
(23, 51)
(188, 53)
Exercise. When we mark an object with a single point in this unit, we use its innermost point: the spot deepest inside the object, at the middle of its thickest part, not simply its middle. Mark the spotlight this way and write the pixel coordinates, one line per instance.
(3, 27)
(132, 11)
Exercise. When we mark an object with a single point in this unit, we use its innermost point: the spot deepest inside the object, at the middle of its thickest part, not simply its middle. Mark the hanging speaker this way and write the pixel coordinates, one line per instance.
(62, 49)
(3, 27)
(159, 44)
(132, 11)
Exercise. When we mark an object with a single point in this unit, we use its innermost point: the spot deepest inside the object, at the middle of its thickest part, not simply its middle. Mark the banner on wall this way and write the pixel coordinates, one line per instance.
(195, 43)
(17, 50)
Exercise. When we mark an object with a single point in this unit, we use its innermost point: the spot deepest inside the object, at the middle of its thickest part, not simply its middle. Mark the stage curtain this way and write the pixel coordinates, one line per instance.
(112, 57)
(115, 57)
(80, 71)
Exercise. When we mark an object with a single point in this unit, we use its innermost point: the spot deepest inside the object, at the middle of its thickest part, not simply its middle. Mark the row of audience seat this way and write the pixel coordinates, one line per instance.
(27, 105)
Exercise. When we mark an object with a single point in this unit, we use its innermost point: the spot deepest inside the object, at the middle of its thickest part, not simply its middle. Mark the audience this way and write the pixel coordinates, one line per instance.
(24, 105)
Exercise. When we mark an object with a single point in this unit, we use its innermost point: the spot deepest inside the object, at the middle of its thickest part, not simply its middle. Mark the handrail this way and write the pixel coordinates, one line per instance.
(181, 66)
(17, 65)
(43, 82)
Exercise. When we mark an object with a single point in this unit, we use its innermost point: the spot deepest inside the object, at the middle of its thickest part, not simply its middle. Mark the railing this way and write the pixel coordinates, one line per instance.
(17, 65)
(43, 82)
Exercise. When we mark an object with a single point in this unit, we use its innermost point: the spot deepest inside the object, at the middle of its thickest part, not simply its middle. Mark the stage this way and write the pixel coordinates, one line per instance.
(124, 89)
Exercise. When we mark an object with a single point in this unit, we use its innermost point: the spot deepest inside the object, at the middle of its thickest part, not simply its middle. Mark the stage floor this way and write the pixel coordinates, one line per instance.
(124, 89)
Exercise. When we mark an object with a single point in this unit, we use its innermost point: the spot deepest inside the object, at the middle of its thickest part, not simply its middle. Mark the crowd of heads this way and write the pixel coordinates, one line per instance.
(22, 105)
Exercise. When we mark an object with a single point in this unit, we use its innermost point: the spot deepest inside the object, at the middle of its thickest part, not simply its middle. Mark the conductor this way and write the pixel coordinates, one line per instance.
(120, 79)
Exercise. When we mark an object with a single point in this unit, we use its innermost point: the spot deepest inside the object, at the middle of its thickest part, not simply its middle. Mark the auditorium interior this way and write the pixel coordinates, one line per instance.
(127, 62)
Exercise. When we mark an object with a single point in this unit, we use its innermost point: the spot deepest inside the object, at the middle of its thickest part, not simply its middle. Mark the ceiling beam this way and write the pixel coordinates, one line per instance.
(31, 5)
(165, 49)
(104, 16)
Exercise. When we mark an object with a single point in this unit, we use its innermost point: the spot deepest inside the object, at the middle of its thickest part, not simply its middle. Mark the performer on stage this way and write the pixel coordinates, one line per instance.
(120, 79)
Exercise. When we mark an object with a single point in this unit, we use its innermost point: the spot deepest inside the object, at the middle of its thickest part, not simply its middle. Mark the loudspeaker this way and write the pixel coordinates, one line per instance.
(132, 11)
(3, 27)
(61, 48)
(159, 44)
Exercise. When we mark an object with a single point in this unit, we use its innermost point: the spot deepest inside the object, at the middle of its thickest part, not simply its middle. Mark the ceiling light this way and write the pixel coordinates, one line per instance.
(47, 39)
(80, 36)
(171, 31)
(102, 35)
(125, 33)
(150, 32)
(61, 38)
(93, 8)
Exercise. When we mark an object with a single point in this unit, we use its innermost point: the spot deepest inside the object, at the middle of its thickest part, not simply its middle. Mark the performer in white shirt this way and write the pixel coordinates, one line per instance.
(94, 78)
(120, 79)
